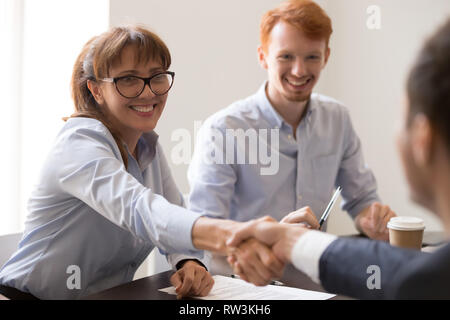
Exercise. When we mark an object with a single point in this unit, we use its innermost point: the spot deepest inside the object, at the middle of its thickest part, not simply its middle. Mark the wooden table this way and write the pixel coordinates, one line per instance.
(147, 288)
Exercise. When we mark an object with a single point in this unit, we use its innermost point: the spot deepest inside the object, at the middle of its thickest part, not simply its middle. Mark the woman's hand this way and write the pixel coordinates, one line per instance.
(192, 279)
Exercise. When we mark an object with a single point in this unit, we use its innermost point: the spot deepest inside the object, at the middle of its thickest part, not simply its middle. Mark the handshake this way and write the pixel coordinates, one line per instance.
(258, 250)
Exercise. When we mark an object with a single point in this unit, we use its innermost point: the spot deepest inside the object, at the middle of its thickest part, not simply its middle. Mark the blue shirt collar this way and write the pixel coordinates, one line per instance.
(146, 148)
(147, 144)
(269, 112)
(266, 108)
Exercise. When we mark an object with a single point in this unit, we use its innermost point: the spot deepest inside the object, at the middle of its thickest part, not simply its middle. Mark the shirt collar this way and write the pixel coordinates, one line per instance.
(146, 148)
(147, 143)
(269, 112)
(266, 108)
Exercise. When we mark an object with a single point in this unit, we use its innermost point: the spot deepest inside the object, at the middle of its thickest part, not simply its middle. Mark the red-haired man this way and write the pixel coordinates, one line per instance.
(312, 145)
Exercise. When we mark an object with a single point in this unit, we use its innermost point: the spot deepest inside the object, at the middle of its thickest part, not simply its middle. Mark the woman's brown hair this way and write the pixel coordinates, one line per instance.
(95, 61)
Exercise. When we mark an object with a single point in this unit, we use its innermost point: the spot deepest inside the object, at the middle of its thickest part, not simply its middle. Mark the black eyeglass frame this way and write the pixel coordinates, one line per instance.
(146, 82)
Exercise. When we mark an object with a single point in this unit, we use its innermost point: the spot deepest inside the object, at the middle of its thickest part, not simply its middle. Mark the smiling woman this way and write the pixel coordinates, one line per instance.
(107, 83)
(105, 197)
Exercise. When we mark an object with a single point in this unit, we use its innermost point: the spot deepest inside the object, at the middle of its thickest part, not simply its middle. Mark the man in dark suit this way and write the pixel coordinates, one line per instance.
(369, 269)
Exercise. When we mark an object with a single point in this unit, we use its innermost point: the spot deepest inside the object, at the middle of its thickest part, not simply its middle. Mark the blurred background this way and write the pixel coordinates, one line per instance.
(213, 45)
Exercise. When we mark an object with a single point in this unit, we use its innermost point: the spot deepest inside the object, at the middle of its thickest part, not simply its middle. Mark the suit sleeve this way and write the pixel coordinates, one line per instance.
(366, 269)
(427, 278)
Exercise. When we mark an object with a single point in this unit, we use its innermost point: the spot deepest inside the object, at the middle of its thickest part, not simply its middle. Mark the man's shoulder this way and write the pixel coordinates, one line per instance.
(330, 111)
(239, 114)
(328, 104)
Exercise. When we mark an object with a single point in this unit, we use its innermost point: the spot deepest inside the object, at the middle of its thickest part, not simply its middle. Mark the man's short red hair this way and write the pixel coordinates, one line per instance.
(305, 15)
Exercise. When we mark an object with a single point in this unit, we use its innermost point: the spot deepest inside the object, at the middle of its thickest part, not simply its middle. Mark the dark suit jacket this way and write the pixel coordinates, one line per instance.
(405, 273)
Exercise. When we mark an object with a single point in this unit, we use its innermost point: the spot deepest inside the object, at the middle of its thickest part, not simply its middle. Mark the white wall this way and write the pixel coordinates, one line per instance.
(213, 45)
(40, 41)
(367, 71)
(11, 33)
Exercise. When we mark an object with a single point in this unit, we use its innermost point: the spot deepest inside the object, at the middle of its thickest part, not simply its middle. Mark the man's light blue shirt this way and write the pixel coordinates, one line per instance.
(325, 153)
(89, 213)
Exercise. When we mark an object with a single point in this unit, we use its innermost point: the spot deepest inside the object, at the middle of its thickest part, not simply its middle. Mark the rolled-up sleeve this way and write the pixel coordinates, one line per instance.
(91, 170)
(359, 186)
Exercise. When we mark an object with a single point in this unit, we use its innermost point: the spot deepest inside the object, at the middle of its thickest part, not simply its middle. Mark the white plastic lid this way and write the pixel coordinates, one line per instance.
(406, 223)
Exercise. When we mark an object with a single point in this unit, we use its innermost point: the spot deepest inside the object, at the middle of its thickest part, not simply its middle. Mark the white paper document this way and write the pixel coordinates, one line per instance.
(226, 288)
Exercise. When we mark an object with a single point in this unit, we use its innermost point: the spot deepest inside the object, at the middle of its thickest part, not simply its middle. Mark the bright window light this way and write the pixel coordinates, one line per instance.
(40, 68)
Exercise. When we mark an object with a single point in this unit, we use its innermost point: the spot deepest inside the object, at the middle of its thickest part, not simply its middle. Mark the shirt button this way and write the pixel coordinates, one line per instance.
(299, 197)
(133, 264)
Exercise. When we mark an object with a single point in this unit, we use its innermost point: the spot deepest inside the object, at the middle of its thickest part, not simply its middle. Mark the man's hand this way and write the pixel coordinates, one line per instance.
(372, 221)
(192, 280)
(302, 215)
(280, 237)
(256, 258)
(254, 262)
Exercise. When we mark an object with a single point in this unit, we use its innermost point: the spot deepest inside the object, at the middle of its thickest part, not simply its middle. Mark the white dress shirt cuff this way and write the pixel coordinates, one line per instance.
(308, 249)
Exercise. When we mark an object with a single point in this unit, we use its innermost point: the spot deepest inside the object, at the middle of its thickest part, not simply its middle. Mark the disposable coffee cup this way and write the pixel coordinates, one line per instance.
(406, 232)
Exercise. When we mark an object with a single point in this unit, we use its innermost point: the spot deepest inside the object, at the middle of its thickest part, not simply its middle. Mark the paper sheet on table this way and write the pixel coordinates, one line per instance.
(226, 288)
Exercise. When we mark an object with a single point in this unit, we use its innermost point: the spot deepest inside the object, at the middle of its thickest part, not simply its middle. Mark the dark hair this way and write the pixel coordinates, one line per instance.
(97, 57)
(428, 85)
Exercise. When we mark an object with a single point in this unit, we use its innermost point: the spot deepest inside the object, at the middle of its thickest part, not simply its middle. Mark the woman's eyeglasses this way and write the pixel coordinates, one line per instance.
(132, 86)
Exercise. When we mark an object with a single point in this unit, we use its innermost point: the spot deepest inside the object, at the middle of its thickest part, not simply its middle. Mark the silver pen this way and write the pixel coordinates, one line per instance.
(272, 282)
(329, 207)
